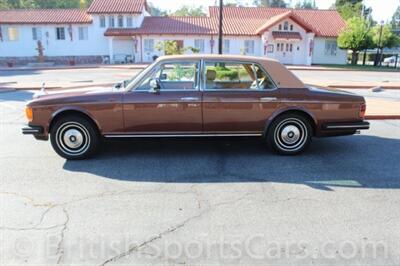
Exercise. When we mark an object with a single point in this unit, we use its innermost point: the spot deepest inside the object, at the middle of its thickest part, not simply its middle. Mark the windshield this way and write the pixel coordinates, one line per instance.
(138, 77)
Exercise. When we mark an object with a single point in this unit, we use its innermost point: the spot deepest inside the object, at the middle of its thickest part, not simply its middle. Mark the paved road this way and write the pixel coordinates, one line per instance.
(71, 77)
(194, 202)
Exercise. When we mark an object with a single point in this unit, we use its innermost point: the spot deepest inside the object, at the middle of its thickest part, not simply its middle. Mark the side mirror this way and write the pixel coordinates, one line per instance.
(154, 85)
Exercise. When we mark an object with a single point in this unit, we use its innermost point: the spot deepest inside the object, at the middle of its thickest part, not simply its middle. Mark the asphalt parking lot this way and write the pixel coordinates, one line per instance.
(199, 202)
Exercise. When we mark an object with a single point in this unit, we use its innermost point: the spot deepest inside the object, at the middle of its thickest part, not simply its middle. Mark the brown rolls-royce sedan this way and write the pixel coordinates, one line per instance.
(197, 96)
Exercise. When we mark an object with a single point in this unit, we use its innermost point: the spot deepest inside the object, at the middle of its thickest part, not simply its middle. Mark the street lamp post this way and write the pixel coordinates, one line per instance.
(220, 37)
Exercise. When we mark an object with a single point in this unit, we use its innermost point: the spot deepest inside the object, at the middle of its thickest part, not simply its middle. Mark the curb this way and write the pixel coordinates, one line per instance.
(360, 87)
(316, 68)
(382, 117)
(4, 90)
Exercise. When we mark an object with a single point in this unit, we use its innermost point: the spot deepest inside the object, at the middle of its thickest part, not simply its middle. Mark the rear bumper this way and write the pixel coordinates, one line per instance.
(341, 129)
(346, 126)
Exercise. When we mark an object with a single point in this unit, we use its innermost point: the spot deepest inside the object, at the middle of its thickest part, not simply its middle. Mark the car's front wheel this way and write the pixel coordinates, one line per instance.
(289, 134)
(74, 137)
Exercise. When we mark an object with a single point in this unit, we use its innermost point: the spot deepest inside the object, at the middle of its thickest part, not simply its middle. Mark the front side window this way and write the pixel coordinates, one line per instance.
(111, 22)
(120, 21)
(36, 34)
(173, 76)
(60, 33)
(148, 45)
(226, 48)
(330, 47)
(102, 22)
(236, 76)
(249, 47)
(83, 33)
(13, 34)
(199, 44)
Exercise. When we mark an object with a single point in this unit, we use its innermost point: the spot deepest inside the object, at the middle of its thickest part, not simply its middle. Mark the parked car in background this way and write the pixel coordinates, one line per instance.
(197, 96)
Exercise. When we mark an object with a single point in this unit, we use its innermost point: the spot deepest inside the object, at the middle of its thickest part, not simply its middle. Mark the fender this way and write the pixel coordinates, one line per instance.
(285, 109)
(73, 109)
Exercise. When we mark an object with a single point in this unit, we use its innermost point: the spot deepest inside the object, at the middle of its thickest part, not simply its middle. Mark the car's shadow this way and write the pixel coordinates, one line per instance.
(356, 161)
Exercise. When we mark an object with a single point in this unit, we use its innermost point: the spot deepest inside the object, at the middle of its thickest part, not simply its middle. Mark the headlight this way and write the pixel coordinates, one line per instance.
(29, 113)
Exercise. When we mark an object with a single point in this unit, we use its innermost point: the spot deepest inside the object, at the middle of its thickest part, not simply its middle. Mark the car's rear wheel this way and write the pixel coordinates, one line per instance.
(74, 137)
(289, 134)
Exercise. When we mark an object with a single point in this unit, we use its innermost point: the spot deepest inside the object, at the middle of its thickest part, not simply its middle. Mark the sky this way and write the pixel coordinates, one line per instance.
(382, 9)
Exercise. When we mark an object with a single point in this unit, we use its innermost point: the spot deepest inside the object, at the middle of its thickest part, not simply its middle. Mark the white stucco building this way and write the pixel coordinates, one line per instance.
(123, 30)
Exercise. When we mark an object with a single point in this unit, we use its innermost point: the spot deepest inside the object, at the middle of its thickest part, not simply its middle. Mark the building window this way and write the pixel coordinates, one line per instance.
(249, 47)
(13, 34)
(286, 25)
(280, 27)
(83, 33)
(199, 44)
(111, 22)
(120, 21)
(330, 47)
(36, 34)
(102, 22)
(226, 48)
(60, 33)
(129, 22)
(291, 27)
(148, 45)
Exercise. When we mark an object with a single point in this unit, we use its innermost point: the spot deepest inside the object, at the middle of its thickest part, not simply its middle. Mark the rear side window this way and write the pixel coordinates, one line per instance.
(236, 76)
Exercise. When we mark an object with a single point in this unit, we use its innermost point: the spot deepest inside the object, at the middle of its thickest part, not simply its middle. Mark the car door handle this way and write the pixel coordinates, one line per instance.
(268, 99)
(189, 99)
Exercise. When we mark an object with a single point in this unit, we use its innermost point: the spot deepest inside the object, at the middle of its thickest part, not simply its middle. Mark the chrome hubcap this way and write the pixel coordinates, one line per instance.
(73, 138)
(291, 134)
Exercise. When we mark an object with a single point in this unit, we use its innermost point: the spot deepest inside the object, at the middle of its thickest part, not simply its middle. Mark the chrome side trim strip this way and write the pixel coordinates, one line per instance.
(182, 135)
(349, 126)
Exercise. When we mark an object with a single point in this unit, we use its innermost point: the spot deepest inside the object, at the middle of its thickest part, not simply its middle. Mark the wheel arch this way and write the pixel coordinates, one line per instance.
(73, 111)
(292, 110)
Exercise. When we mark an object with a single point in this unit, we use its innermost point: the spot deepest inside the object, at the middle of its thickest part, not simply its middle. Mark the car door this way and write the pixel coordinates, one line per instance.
(173, 108)
(238, 98)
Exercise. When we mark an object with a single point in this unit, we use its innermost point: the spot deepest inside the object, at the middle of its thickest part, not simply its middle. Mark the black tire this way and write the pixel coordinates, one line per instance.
(74, 137)
(289, 134)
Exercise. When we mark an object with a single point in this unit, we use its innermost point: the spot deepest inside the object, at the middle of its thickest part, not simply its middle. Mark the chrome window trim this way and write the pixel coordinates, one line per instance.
(156, 67)
(240, 62)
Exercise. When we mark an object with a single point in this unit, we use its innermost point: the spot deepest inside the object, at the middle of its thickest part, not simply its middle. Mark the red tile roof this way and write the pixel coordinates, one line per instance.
(324, 23)
(44, 16)
(168, 25)
(117, 6)
(287, 35)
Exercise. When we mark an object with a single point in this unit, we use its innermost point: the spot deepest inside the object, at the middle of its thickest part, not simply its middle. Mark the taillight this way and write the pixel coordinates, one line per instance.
(363, 108)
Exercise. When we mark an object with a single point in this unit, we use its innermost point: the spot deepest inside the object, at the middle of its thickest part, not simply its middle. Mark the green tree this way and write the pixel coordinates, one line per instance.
(355, 37)
(189, 11)
(349, 10)
(388, 38)
(155, 11)
(396, 18)
(172, 48)
(270, 3)
(4, 4)
(306, 4)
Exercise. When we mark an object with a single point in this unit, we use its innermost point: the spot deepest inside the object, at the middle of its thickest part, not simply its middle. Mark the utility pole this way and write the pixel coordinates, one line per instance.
(220, 33)
(380, 48)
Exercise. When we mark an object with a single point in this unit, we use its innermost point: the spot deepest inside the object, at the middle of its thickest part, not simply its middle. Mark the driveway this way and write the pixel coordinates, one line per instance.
(197, 202)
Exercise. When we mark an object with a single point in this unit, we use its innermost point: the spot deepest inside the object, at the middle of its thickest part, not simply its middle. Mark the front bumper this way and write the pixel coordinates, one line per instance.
(346, 126)
(32, 130)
